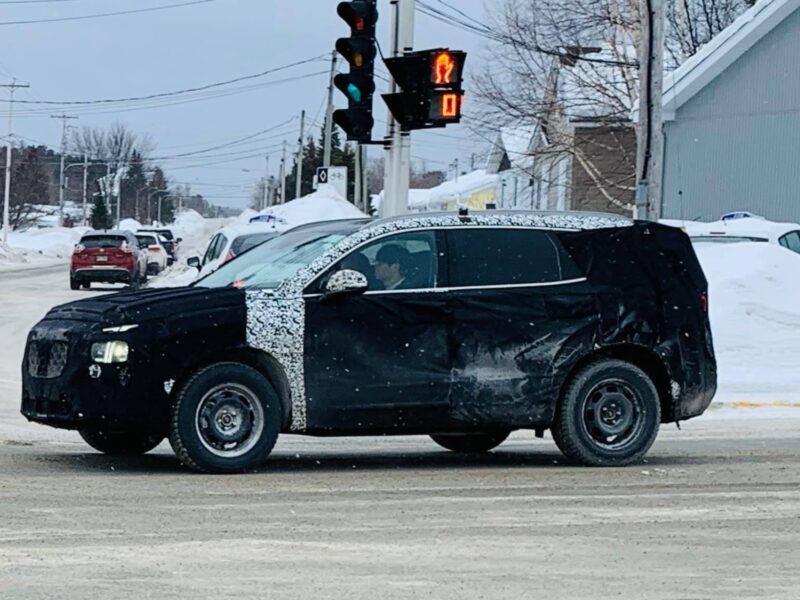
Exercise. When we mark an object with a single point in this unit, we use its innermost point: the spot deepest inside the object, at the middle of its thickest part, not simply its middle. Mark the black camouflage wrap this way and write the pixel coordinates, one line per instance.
(420, 362)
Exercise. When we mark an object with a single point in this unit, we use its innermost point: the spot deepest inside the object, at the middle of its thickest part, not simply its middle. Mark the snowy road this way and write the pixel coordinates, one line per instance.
(715, 513)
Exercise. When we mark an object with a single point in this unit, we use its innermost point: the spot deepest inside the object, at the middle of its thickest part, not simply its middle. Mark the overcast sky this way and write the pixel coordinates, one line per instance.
(186, 47)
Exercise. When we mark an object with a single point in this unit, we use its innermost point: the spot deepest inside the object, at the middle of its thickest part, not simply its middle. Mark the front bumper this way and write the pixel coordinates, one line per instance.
(62, 387)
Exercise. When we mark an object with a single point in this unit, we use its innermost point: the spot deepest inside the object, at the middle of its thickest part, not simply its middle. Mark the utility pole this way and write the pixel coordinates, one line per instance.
(397, 174)
(650, 150)
(326, 156)
(85, 187)
(7, 197)
(264, 202)
(62, 185)
(283, 174)
(365, 203)
(299, 182)
(358, 195)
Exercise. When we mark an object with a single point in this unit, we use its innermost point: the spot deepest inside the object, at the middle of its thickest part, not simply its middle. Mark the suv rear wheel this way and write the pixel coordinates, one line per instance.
(472, 443)
(226, 419)
(121, 443)
(74, 284)
(609, 415)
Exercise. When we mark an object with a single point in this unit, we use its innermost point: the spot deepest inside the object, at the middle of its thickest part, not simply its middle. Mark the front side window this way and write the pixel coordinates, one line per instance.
(489, 257)
(267, 266)
(406, 261)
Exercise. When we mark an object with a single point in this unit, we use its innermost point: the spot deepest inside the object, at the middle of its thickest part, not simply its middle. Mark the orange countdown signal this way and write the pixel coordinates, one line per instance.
(450, 105)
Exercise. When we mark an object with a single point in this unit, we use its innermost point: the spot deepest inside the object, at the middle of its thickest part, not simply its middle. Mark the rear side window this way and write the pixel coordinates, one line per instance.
(791, 241)
(483, 257)
(103, 241)
(245, 242)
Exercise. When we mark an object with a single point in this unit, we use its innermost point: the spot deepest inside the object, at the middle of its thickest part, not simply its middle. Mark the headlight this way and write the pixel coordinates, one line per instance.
(110, 352)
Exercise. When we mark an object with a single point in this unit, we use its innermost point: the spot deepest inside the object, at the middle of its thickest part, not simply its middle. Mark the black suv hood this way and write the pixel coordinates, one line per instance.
(136, 307)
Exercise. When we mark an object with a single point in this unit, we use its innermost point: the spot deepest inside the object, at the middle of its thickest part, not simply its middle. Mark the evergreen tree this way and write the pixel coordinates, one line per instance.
(101, 219)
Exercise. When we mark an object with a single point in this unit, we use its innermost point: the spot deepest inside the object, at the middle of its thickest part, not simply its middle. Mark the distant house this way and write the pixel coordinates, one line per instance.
(732, 120)
(581, 152)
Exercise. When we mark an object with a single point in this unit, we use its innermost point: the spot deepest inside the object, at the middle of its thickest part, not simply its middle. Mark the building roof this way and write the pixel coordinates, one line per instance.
(727, 47)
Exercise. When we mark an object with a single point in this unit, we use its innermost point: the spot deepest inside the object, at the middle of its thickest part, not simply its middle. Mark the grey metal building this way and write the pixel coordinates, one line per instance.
(732, 121)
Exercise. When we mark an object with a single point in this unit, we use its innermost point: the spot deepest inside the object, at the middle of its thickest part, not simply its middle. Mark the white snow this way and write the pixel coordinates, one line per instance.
(755, 320)
(39, 246)
(130, 225)
(325, 204)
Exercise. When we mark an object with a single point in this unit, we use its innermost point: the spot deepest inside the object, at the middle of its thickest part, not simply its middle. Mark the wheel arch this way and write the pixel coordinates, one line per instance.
(259, 360)
(640, 356)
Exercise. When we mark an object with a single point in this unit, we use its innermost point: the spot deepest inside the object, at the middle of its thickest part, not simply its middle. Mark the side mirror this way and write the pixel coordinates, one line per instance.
(179, 240)
(193, 262)
(346, 282)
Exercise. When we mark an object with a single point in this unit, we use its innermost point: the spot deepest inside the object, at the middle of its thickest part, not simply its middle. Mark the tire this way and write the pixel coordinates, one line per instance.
(86, 285)
(74, 284)
(124, 443)
(471, 443)
(609, 415)
(226, 419)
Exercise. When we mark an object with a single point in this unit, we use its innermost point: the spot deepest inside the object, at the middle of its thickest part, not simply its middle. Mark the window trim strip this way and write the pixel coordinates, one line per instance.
(466, 288)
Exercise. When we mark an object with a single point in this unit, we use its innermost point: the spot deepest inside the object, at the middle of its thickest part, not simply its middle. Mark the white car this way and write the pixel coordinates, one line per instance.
(230, 242)
(157, 256)
(749, 228)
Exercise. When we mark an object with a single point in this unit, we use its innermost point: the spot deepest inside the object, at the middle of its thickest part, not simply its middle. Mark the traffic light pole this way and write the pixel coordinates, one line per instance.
(397, 173)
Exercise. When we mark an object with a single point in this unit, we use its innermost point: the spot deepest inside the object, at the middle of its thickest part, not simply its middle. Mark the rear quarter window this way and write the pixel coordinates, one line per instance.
(489, 257)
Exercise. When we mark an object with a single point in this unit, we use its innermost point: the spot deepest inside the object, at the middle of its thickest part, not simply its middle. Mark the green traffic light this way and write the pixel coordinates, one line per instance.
(354, 92)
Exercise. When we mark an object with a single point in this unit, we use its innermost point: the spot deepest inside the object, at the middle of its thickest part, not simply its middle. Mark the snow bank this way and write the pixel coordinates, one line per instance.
(755, 319)
(130, 225)
(189, 224)
(323, 205)
(38, 246)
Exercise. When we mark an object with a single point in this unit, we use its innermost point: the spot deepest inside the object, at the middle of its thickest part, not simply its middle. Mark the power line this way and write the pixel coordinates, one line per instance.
(110, 14)
(176, 92)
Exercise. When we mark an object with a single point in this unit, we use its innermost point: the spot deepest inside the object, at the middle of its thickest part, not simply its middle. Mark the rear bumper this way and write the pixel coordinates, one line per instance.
(105, 274)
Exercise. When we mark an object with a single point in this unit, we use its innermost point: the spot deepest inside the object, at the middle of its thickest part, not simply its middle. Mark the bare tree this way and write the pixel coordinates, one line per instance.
(561, 65)
(693, 23)
(115, 144)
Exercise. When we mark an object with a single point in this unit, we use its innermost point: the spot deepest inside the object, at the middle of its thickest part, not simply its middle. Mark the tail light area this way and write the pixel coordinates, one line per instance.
(154, 249)
(704, 302)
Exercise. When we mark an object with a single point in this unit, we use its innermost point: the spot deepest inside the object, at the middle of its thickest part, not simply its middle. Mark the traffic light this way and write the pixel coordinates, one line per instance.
(359, 84)
(431, 82)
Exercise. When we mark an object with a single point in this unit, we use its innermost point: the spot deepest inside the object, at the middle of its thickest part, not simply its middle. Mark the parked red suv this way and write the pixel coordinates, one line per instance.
(108, 257)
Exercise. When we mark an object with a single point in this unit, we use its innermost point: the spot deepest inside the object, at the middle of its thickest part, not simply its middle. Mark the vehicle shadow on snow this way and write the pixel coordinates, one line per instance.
(164, 462)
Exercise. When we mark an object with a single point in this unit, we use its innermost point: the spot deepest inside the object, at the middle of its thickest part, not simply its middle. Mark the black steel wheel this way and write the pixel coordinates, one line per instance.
(609, 415)
(121, 443)
(74, 284)
(226, 419)
(471, 443)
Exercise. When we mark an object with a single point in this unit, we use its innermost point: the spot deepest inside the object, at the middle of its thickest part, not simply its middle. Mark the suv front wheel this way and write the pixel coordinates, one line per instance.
(226, 419)
(609, 415)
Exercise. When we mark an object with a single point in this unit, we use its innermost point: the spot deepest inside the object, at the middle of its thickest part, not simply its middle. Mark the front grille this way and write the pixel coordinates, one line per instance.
(46, 359)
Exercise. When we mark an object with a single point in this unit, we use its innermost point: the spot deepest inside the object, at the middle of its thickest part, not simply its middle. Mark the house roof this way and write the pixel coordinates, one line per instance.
(517, 143)
(727, 47)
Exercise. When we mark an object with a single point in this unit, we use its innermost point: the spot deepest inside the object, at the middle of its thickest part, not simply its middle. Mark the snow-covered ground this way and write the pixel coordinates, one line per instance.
(755, 318)
(39, 247)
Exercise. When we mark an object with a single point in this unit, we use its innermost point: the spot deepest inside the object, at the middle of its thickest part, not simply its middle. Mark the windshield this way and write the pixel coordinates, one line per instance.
(270, 264)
